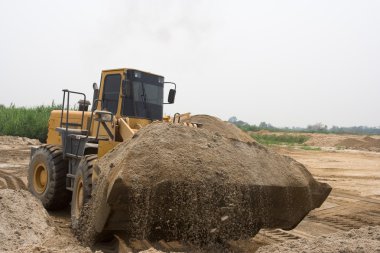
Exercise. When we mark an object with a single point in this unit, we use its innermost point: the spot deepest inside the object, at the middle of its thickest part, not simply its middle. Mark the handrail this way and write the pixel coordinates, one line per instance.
(68, 107)
(94, 108)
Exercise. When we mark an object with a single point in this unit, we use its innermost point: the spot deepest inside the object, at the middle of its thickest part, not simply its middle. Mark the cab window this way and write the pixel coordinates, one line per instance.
(111, 93)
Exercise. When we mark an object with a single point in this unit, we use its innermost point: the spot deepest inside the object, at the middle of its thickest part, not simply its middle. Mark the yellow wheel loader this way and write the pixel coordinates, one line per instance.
(62, 170)
(65, 170)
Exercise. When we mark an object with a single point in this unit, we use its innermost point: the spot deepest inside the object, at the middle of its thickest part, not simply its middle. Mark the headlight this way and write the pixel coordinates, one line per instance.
(106, 117)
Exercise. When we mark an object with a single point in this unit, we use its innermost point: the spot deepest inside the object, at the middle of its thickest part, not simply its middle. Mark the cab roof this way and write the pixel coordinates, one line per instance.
(125, 69)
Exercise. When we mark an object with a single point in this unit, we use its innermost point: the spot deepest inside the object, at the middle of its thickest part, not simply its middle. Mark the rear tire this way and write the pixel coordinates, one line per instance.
(47, 177)
(82, 187)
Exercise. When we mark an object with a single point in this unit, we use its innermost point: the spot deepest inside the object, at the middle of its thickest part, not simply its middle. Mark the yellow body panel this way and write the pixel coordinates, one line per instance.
(102, 131)
(136, 123)
(105, 147)
(55, 119)
(125, 131)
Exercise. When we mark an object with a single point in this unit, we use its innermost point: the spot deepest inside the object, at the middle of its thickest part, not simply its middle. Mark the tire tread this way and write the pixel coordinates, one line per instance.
(56, 196)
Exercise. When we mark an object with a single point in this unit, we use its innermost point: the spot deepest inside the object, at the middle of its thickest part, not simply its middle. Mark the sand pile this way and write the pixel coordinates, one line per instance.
(216, 125)
(366, 239)
(177, 182)
(23, 220)
(25, 226)
(14, 140)
(366, 143)
(324, 140)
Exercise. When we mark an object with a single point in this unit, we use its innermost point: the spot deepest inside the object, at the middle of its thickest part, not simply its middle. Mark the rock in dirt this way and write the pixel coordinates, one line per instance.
(25, 226)
(177, 182)
(366, 239)
(223, 128)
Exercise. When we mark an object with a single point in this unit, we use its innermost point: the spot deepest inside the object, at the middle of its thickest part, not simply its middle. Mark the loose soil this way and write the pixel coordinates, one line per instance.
(223, 128)
(168, 184)
(366, 239)
(366, 143)
(345, 141)
(14, 159)
(14, 140)
(25, 226)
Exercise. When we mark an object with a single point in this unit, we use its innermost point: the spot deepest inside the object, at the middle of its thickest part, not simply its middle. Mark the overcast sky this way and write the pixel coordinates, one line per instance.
(289, 63)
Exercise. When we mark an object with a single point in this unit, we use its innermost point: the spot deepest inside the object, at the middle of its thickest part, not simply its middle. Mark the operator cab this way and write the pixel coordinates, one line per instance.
(133, 93)
(127, 100)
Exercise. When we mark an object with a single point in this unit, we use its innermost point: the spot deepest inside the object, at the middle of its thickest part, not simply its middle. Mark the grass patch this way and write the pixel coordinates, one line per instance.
(25, 122)
(283, 139)
(310, 148)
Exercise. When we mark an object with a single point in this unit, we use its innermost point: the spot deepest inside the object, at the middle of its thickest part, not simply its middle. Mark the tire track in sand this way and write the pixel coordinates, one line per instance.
(11, 181)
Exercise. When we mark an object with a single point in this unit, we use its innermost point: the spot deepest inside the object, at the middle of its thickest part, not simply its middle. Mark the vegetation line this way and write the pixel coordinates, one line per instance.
(283, 139)
(315, 128)
(25, 122)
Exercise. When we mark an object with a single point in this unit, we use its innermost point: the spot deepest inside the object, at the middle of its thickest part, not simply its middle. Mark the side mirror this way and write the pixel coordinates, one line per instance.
(171, 96)
(172, 92)
(95, 97)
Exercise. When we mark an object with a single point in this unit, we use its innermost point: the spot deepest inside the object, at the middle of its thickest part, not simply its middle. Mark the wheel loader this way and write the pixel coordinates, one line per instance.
(64, 171)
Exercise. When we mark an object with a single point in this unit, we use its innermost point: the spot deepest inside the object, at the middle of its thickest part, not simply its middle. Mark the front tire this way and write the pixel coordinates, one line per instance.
(82, 187)
(47, 177)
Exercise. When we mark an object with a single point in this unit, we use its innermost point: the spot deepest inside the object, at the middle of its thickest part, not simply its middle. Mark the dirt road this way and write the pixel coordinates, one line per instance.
(353, 203)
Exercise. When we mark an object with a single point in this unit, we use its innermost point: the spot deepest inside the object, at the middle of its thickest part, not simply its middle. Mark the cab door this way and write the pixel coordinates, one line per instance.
(109, 100)
(111, 93)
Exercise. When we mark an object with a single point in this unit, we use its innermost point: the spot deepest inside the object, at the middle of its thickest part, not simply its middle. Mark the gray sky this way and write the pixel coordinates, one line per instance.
(290, 63)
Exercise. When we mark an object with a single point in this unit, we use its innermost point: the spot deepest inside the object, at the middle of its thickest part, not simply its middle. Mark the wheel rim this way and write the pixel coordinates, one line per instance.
(40, 178)
(79, 197)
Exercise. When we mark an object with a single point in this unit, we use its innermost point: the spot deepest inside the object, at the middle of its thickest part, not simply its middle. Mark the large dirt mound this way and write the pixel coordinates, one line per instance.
(324, 140)
(366, 239)
(25, 226)
(172, 181)
(366, 143)
(23, 220)
(216, 125)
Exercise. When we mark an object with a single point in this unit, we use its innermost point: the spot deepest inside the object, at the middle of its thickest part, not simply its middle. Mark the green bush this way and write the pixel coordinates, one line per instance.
(310, 148)
(287, 139)
(25, 122)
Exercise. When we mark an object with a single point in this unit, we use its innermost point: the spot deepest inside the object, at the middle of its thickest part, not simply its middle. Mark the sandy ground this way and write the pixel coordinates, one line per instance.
(336, 141)
(353, 204)
(365, 239)
(25, 226)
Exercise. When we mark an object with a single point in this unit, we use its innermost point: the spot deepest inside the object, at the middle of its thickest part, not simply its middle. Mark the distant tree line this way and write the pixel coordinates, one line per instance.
(315, 128)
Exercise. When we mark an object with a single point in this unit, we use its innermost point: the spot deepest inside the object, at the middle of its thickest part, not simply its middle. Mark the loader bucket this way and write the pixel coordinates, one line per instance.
(175, 182)
(228, 211)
